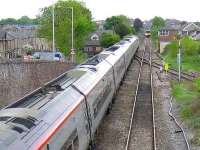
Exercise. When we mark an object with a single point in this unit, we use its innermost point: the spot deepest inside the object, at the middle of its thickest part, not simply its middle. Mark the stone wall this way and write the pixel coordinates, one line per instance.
(19, 78)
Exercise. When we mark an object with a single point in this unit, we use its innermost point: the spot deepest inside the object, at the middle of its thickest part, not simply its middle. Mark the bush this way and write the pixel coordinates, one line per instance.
(197, 84)
(108, 39)
(80, 56)
(190, 47)
(172, 49)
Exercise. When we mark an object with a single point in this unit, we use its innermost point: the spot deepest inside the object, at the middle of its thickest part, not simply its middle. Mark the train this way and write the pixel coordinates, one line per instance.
(64, 114)
(147, 33)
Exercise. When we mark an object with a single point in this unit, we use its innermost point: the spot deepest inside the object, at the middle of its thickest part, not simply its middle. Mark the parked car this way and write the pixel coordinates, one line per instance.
(56, 56)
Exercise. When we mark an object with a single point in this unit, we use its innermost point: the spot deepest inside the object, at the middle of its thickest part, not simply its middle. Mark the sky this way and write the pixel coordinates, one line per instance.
(101, 9)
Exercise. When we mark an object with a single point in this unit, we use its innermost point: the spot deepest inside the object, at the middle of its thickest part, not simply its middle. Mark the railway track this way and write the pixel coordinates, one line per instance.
(130, 124)
(112, 133)
(141, 133)
(172, 71)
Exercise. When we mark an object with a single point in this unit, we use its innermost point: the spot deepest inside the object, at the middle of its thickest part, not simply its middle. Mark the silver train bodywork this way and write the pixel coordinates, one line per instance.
(66, 112)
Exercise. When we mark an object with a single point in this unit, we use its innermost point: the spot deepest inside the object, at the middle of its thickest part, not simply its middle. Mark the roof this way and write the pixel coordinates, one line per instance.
(92, 43)
(10, 35)
(2, 34)
(171, 27)
(191, 27)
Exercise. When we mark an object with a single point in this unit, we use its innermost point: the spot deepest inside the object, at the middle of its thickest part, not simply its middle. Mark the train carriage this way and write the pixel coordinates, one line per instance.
(65, 113)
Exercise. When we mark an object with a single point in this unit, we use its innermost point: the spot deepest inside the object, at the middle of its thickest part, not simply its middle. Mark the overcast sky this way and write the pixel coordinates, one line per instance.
(145, 9)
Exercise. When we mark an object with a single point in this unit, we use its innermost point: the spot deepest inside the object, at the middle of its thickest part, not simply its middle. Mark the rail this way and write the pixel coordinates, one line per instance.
(172, 71)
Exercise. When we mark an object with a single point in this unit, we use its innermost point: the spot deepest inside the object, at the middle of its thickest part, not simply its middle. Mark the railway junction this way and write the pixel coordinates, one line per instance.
(117, 100)
(142, 116)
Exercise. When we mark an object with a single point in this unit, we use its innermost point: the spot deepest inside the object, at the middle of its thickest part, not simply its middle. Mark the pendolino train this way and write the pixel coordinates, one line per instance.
(65, 113)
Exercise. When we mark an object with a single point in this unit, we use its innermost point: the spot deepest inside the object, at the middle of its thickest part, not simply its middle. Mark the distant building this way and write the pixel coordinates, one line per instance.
(18, 28)
(191, 29)
(12, 43)
(147, 24)
(166, 35)
(92, 45)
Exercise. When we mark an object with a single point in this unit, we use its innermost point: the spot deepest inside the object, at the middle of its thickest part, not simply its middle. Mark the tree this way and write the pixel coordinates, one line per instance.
(24, 20)
(10, 21)
(119, 24)
(111, 22)
(157, 24)
(138, 24)
(122, 30)
(108, 39)
(83, 24)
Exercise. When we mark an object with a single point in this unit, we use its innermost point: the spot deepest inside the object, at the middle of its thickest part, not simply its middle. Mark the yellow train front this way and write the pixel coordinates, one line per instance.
(147, 33)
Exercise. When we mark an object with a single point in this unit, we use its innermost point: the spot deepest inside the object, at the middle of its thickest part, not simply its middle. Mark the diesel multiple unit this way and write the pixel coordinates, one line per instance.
(65, 113)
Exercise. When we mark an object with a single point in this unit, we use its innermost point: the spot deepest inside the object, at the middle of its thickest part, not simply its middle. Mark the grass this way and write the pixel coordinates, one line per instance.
(187, 95)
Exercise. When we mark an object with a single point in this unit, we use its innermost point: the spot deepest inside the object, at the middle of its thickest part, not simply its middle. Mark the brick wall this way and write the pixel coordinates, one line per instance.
(19, 78)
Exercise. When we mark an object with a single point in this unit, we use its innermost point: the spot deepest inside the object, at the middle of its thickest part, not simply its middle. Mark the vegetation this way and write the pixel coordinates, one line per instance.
(157, 24)
(190, 51)
(83, 25)
(24, 20)
(187, 95)
(121, 25)
(108, 39)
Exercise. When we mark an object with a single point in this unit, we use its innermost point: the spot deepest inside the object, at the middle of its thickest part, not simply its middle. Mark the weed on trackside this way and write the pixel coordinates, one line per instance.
(187, 95)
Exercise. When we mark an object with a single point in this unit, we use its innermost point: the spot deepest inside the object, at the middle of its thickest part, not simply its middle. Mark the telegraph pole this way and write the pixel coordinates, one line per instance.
(179, 61)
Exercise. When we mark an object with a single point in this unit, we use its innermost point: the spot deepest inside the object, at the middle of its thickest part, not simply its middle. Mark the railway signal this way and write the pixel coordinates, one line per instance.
(179, 61)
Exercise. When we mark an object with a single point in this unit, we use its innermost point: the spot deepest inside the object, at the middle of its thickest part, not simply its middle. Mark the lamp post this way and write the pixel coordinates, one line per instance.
(73, 54)
(73, 60)
(53, 27)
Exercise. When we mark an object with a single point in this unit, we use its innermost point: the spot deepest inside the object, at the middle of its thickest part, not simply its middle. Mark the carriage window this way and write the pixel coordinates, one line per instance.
(72, 143)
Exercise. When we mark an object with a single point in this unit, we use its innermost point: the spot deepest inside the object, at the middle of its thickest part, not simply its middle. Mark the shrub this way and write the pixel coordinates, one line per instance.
(197, 84)
(189, 46)
(172, 49)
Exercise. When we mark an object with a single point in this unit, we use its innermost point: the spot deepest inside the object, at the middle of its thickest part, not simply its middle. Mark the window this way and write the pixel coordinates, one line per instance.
(25, 122)
(72, 142)
(95, 37)
(164, 33)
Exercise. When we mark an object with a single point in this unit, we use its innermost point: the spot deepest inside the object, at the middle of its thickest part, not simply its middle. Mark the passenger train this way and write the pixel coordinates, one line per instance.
(65, 113)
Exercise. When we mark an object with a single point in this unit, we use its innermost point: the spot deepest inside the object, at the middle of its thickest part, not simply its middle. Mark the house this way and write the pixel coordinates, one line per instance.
(92, 46)
(12, 43)
(166, 35)
(191, 29)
